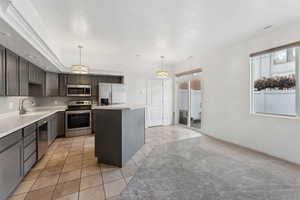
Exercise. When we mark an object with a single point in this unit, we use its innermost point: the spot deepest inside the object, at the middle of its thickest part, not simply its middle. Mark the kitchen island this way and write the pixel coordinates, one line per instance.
(119, 133)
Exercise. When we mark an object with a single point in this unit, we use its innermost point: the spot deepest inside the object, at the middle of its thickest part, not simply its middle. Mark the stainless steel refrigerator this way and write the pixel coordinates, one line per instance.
(112, 93)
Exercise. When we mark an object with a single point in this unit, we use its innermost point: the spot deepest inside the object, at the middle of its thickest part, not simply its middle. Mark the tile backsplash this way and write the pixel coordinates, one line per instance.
(11, 104)
(60, 101)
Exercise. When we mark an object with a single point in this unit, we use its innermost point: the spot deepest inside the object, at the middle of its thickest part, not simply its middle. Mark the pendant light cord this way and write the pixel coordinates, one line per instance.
(162, 63)
(80, 48)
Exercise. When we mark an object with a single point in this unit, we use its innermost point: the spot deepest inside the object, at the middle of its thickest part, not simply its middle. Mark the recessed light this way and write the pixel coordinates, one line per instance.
(268, 27)
(4, 34)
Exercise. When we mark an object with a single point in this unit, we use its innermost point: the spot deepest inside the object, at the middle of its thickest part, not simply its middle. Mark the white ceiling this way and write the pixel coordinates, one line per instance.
(113, 32)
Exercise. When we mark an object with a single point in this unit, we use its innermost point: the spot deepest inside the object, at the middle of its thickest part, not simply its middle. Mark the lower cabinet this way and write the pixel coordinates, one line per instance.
(11, 167)
(52, 128)
(30, 147)
(61, 123)
(18, 153)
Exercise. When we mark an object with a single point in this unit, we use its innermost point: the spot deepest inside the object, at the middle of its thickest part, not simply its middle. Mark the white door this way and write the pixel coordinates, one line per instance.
(155, 102)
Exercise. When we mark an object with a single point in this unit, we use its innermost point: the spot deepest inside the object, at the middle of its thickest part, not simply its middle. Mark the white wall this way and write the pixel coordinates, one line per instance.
(226, 97)
(136, 78)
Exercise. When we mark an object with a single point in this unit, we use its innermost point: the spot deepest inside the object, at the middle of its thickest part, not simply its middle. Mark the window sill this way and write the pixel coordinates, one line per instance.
(275, 116)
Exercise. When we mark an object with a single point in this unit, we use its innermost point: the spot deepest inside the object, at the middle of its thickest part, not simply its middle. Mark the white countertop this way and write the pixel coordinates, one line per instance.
(119, 107)
(12, 122)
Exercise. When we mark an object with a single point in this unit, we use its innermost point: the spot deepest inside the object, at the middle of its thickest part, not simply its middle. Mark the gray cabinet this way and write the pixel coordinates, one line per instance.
(30, 147)
(75, 79)
(61, 124)
(85, 79)
(23, 77)
(110, 79)
(52, 84)
(36, 75)
(12, 74)
(62, 80)
(32, 73)
(2, 71)
(94, 81)
(11, 159)
(119, 134)
(52, 128)
(37, 83)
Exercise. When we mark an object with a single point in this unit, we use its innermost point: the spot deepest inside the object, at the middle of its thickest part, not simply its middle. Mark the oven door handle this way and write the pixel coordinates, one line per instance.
(78, 111)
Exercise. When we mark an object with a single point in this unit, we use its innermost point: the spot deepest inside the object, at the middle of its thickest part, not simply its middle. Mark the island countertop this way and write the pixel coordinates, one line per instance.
(118, 107)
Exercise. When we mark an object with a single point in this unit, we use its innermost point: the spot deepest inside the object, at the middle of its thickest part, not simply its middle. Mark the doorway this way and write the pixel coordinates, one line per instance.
(155, 102)
(189, 101)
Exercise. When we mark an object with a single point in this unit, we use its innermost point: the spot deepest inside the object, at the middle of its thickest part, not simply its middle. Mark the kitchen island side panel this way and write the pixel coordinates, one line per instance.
(133, 123)
(108, 136)
(119, 134)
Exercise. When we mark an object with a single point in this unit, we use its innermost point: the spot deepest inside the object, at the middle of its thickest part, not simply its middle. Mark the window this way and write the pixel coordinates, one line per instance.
(273, 82)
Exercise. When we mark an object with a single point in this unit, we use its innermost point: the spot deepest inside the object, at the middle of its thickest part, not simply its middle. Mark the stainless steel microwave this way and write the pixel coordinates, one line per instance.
(79, 91)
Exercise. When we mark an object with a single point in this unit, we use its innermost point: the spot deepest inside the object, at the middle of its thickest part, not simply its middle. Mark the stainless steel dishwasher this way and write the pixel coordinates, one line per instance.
(42, 138)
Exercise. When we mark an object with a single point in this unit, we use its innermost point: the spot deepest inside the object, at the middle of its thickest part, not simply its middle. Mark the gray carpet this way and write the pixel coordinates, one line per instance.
(186, 171)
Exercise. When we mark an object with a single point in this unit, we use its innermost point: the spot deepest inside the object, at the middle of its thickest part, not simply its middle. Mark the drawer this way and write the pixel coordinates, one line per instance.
(29, 163)
(29, 139)
(10, 139)
(29, 129)
(29, 150)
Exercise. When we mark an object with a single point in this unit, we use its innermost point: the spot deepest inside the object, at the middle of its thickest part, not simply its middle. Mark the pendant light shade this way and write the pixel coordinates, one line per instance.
(162, 74)
(80, 68)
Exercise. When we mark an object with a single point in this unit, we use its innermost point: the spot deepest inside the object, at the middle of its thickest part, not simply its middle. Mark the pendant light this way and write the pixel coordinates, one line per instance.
(162, 74)
(80, 68)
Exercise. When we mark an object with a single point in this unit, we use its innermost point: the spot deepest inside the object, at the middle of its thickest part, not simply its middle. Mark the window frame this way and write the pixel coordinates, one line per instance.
(297, 77)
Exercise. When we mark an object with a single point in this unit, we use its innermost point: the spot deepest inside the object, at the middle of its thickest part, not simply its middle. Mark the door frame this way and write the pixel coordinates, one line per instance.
(187, 78)
(148, 100)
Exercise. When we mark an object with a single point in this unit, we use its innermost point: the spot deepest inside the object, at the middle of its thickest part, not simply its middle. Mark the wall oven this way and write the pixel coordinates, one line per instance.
(78, 118)
(79, 90)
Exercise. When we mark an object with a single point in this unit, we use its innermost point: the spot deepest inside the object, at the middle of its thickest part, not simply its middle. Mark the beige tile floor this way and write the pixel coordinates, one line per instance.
(69, 170)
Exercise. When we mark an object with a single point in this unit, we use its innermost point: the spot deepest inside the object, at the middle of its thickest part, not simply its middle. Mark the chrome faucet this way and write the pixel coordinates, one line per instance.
(22, 111)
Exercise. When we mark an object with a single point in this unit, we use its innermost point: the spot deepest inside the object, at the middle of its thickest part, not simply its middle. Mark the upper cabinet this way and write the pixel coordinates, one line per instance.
(110, 79)
(12, 74)
(94, 83)
(36, 74)
(37, 83)
(52, 84)
(18, 77)
(2, 71)
(62, 84)
(75, 79)
(24, 77)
